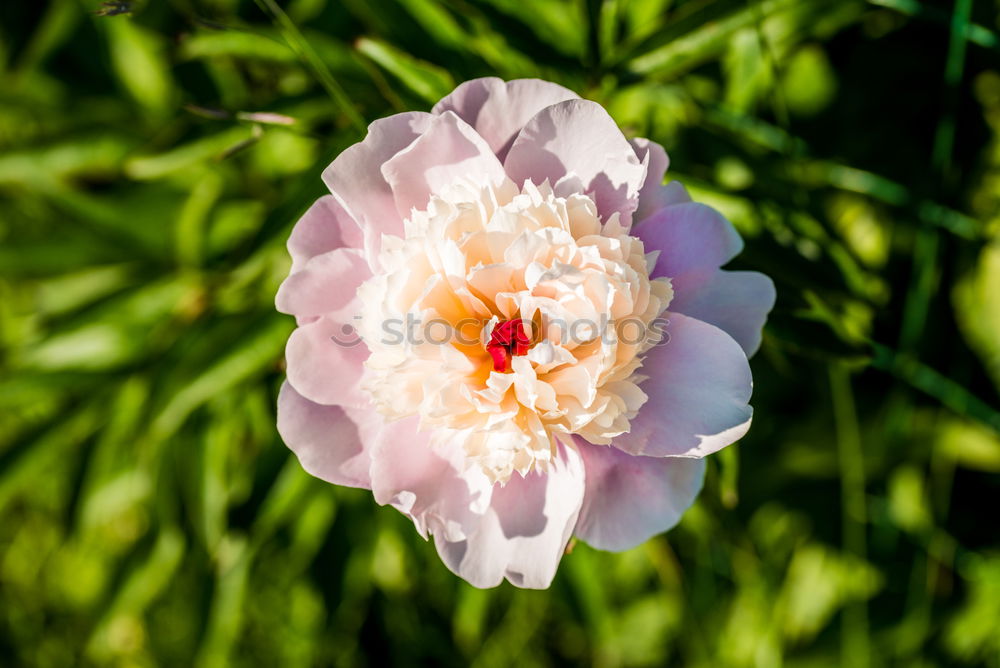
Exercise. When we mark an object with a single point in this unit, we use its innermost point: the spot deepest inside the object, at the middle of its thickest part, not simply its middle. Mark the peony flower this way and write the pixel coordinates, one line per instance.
(513, 333)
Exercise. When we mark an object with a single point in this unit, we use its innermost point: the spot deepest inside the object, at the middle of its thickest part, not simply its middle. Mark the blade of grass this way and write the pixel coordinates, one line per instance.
(934, 384)
(261, 348)
(974, 33)
(228, 602)
(426, 80)
(925, 265)
(141, 587)
(298, 43)
(21, 463)
(855, 643)
(710, 36)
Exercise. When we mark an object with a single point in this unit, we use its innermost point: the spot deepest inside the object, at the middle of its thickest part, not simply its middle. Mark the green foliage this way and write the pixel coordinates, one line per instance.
(152, 163)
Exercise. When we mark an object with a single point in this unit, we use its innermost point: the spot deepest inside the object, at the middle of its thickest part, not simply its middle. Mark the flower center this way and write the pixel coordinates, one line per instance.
(519, 294)
(508, 338)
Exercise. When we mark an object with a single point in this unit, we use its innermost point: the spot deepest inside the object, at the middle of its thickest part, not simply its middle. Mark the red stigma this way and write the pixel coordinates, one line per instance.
(507, 339)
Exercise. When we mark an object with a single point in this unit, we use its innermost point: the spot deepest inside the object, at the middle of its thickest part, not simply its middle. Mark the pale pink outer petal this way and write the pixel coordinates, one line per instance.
(691, 237)
(355, 176)
(579, 138)
(498, 109)
(630, 498)
(523, 534)
(672, 193)
(651, 197)
(699, 387)
(484, 532)
(324, 227)
(736, 302)
(693, 241)
(331, 442)
(448, 151)
(323, 370)
(418, 480)
(325, 283)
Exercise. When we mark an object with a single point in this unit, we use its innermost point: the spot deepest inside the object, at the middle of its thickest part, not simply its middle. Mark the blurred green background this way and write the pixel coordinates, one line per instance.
(152, 164)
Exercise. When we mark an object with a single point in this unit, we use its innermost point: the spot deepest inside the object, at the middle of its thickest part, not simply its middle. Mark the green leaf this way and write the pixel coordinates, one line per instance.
(976, 301)
(908, 504)
(140, 587)
(819, 581)
(427, 81)
(138, 57)
(68, 292)
(226, 617)
(149, 167)
(438, 22)
(85, 157)
(22, 463)
(809, 82)
(971, 634)
(748, 74)
(236, 44)
(970, 445)
(558, 23)
(262, 345)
